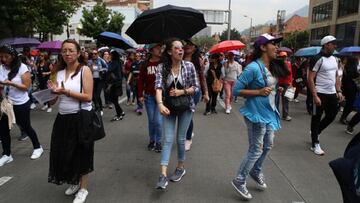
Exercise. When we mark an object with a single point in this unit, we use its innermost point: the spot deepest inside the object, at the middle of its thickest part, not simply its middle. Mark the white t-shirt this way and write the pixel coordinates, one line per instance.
(17, 96)
(233, 71)
(69, 105)
(326, 76)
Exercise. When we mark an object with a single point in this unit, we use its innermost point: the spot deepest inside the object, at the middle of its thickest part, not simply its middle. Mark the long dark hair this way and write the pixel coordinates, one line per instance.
(277, 67)
(16, 60)
(166, 59)
(62, 65)
(351, 67)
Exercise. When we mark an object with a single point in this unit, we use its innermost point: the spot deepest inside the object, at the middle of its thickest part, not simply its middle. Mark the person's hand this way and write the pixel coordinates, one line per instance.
(163, 110)
(44, 74)
(55, 89)
(176, 92)
(265, 91)
(340, 97)
(8, 83)
(317, 101)
(281, 90)
(141, 99)
(206, 98)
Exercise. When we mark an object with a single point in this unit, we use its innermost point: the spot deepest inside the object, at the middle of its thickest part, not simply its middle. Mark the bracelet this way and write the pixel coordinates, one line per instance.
(160, 102)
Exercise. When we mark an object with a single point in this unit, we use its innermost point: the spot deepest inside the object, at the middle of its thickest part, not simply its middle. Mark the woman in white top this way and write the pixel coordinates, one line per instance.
(232, 71)
(15, 81)
(70, 158)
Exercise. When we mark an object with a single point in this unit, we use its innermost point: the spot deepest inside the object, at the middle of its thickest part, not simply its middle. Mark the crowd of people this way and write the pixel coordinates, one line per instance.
(168, 81)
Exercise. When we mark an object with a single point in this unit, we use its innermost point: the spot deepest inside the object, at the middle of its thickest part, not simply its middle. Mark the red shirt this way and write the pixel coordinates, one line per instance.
(146, 82)
(288, 79)
(127, 67)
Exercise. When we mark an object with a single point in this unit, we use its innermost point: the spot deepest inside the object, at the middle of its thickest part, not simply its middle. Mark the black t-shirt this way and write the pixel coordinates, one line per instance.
(43, 69)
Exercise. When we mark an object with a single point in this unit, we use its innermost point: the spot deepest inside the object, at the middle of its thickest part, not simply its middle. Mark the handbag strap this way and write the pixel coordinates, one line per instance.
(81, 85)
(263, 73)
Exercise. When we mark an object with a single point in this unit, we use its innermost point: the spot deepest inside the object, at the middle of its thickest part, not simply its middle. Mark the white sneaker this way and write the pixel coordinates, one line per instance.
(5, 160)
(101, 113)
(317, 150)
(72, 189)
(227, 111)
(188, 145)
(37, 153)
(81, 196)
(49, 110)
(32, 106)
(44, 107)
(296, 101)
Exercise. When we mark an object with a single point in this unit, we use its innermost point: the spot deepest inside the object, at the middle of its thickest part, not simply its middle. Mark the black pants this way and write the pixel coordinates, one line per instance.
(98, 86)
(22, 114)
(210, 106)
(309, 100)
(106, 94)
(354, 120)
(329, 104)
(115, 100)
(349, 105)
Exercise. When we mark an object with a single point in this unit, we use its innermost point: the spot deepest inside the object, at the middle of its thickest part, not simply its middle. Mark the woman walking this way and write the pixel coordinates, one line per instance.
(44, 72)
(258, 83)
(215, 72)
(232, 70)
(71, 158)
(15, 83)
(114, 82)
(147, 93)
(177, 80)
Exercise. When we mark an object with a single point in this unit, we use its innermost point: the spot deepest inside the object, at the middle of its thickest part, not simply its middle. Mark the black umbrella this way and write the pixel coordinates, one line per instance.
(155, 25)
(114, 39)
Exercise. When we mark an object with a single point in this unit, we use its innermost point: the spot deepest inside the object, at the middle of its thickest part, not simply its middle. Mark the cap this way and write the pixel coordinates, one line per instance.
(327, 39)
(266, 38)
(150, 46)
(282, 54)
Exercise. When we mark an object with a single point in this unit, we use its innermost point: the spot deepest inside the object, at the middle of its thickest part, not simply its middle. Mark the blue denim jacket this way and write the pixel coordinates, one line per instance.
(256, 108)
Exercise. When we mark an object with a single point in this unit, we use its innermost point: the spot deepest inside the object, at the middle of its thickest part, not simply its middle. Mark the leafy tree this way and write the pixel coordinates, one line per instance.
(204, 42)
(24, 17)
(234, 35)
(296, 40)
(100, 19)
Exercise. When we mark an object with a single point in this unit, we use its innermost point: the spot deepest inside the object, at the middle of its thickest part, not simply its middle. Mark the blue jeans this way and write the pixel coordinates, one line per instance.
(261, 139)
(169, 127)
(197, 98)
(154, 118)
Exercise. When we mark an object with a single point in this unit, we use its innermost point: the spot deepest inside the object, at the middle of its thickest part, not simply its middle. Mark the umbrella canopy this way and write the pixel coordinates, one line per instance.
(349, 50)
(227, 45)
(114, 39)
(308, 51)
(285, 49)
(20, 42)
(155, 25)
(54, 46)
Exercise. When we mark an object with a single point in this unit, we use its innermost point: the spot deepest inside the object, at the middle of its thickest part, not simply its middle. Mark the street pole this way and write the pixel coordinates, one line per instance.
(229, 21)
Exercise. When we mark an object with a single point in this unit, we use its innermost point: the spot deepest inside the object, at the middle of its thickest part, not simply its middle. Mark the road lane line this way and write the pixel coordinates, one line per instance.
(4, 179)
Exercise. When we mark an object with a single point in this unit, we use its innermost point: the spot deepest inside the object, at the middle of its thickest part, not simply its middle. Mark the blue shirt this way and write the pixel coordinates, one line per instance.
(256, 108)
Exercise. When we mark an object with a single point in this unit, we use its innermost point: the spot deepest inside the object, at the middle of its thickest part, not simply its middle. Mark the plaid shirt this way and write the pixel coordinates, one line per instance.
(189, 76)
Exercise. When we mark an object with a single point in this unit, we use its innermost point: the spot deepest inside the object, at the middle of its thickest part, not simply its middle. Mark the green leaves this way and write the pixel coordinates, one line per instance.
(100, 19)
(234, 35)
(296, 40)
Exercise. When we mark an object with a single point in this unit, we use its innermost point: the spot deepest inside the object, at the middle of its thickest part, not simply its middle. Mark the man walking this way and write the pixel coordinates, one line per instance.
(325, 86)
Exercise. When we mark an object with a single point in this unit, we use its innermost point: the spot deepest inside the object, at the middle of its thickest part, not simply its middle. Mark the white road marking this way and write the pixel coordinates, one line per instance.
(4, 179)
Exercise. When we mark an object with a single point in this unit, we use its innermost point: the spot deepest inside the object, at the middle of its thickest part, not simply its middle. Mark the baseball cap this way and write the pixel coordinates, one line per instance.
(327, 39)
(282, 54)
(266, 38)
(150, 46)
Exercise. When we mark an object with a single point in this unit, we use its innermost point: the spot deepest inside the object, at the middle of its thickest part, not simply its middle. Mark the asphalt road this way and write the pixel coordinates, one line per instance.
(126, 172)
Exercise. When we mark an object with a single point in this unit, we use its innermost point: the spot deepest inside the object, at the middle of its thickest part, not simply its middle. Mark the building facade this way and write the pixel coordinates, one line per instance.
(340, 18)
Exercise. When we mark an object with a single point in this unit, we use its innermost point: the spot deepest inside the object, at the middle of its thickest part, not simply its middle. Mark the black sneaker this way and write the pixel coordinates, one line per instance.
(122, 116)
(178, 174)
(344, 122)
(259, 179)
(151, 146)
(23, 137)
(162, 183)
(158, 147)
(206, 113)
(116, 118)
(241, 189)
(349, 130)
(214, 111)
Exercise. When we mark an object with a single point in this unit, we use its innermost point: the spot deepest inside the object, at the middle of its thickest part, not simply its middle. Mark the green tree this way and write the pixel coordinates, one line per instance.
(234, 35)
(100, 19)
(25, 17)
(204, 42)
(296, 40)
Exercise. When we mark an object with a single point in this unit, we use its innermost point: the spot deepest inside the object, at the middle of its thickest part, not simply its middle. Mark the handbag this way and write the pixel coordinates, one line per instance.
(217, 85)
(91, 125)
(177, 104)
(290, 93)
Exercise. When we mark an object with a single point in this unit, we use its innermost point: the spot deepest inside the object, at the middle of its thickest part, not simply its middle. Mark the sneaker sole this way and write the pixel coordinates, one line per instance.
(9, 161)
(348, 132)
(311, 149)
(238, 191)
(23, 139)
(259, 186)
(162, 188)
(177, 180)
(70, 194)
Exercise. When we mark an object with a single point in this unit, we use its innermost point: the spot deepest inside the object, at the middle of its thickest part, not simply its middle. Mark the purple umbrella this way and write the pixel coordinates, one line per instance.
(53, 46)
(20, 42)
(285, 49)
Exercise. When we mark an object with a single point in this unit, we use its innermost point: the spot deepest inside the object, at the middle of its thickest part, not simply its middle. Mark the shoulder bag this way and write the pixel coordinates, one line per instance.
(217, 84)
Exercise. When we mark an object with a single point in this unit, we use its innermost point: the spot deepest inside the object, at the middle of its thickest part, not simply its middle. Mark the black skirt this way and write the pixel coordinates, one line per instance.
(69, 158)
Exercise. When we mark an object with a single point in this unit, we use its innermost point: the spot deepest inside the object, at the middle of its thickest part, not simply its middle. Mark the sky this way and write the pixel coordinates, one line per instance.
(261, 11)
